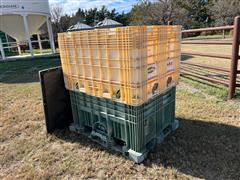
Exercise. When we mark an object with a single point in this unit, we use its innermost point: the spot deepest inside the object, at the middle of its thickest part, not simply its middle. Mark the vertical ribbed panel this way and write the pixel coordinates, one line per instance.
(126, 64)
(136, 126)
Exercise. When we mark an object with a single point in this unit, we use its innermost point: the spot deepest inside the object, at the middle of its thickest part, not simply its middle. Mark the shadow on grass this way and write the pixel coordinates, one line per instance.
(201, 149)
(198, 148)
(25, 71)
(223, 76)
(186, 57)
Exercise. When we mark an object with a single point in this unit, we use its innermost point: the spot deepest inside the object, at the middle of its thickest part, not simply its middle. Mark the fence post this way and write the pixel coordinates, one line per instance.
(235, 57)
(2, 50)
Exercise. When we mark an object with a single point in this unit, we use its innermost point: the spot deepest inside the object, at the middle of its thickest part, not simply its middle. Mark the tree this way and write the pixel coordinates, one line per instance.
(91, 16)
(224, 11)
(64, 23)
(196, 12)
(123, 18)
(112, 14)
(189, 13)
(56, 14)
(142, 14)
(102, 13)
(160, 12)
(94, 15)
(79, 16)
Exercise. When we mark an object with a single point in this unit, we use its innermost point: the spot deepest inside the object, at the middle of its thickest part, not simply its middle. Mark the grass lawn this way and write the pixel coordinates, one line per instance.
(206, 145)
(37, 51)
(221, 49)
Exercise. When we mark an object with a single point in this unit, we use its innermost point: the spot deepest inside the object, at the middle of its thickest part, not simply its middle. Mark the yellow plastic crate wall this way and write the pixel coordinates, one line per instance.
(126, 64)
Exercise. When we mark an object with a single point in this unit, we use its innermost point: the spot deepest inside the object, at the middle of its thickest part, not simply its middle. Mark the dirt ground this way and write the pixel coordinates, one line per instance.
(206, 146)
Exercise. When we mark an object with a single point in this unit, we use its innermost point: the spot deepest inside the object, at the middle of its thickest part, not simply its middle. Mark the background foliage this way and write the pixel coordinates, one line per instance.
(188, 13)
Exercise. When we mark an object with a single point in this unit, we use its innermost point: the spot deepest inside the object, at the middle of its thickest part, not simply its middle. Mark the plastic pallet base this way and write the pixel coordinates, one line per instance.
(137, 157)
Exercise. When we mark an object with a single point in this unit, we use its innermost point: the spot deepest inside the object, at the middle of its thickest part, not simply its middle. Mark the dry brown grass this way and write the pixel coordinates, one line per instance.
(207, 144)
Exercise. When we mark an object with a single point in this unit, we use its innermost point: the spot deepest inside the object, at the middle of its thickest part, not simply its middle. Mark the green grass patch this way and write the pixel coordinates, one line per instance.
(25, 70)
(207, 87)
(37, 51)
(22, 65)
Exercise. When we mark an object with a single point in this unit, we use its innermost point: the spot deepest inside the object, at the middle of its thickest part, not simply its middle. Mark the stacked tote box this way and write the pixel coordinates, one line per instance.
(122, 84)
(128, 64)
(132, 130)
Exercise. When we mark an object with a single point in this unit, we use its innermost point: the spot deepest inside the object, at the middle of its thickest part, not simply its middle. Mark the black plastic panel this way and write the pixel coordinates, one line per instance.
(56, 100)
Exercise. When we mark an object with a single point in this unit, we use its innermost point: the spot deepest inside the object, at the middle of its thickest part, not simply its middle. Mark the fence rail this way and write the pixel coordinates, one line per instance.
(213, 55)
(208, 29)
(220, 42)
(232, 72)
